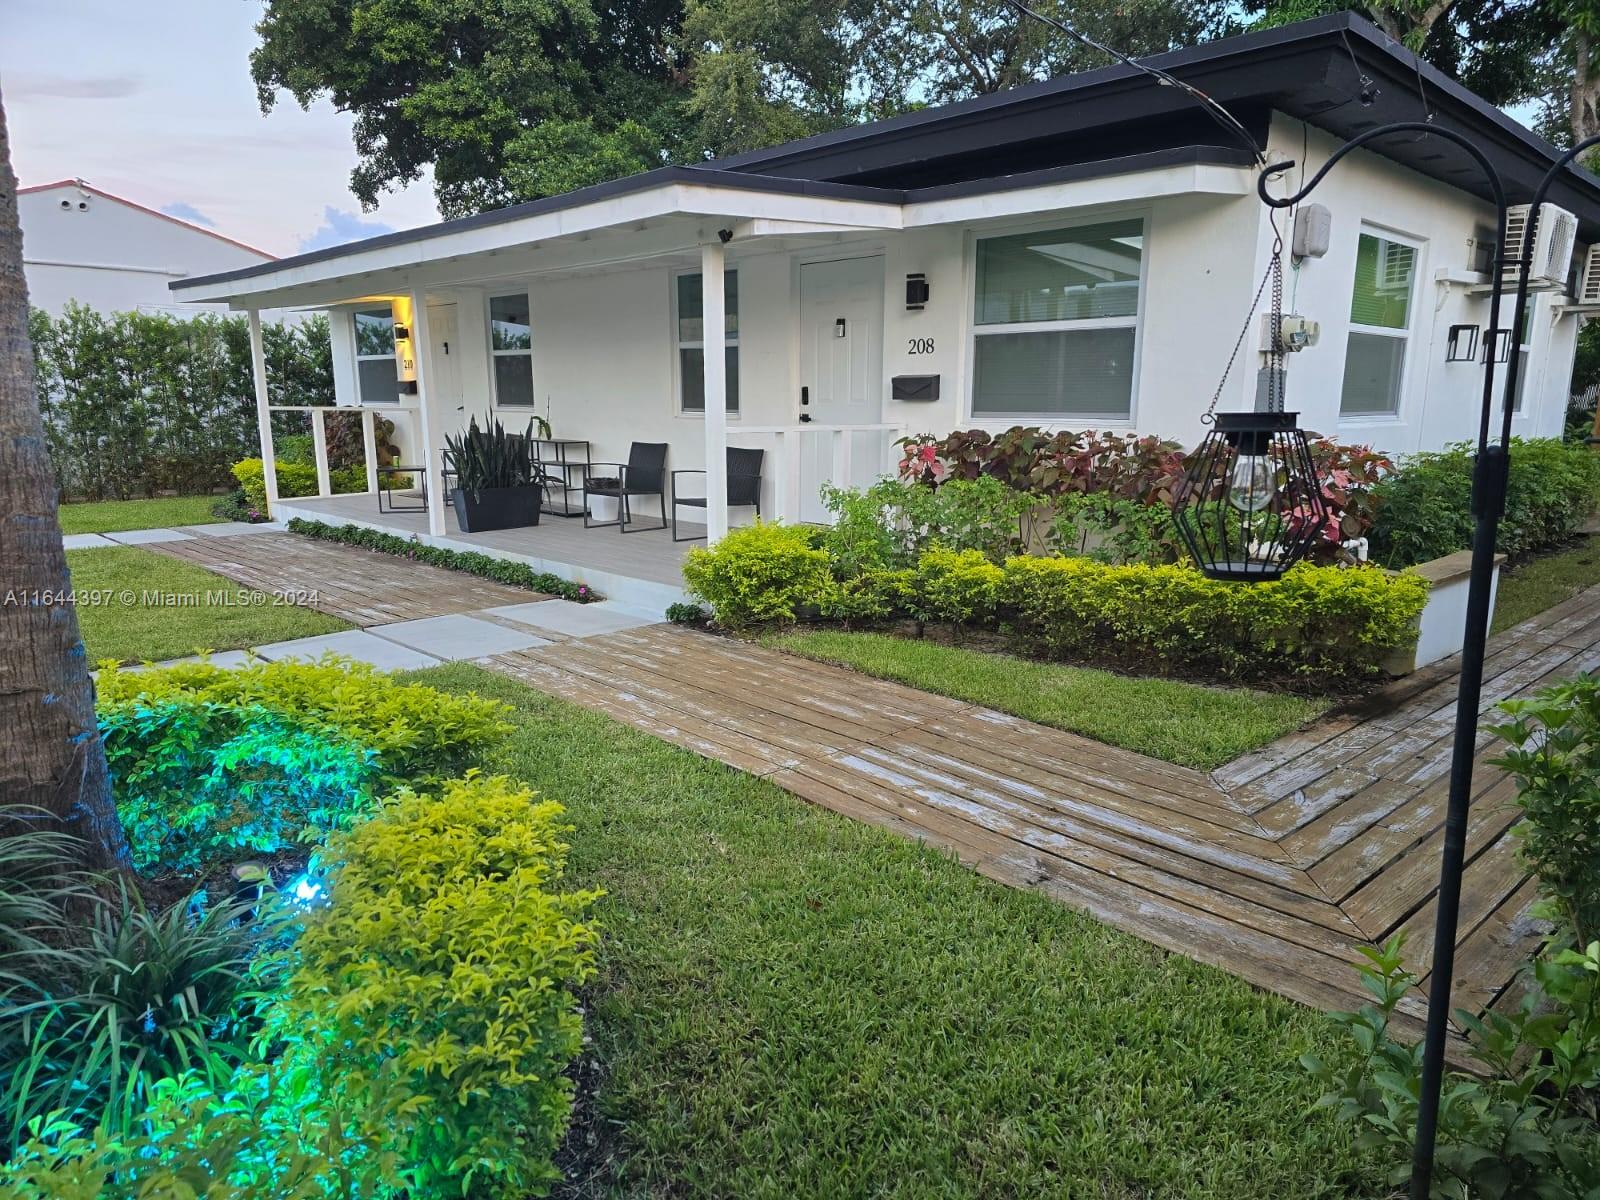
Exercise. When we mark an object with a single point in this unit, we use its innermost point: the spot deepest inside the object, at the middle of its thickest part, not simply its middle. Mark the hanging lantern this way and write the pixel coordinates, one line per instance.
(1250, 505)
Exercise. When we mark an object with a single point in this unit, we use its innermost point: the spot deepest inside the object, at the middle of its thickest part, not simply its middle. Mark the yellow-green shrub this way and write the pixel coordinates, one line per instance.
(298, 479)
(1315, 620)
(871, 596)
(430, 997)
(418, 733)
(761, 572)
(961, 587)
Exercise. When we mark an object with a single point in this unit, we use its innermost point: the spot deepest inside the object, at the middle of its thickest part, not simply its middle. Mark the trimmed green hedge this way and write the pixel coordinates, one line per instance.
(1322, 621)
(1331, 622)
(1425, 505)
(469, 561)
(431, 996)
(294, 479)
(211, 764)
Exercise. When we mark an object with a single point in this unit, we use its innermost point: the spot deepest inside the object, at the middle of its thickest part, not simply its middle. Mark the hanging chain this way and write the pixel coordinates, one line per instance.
(1275, 372)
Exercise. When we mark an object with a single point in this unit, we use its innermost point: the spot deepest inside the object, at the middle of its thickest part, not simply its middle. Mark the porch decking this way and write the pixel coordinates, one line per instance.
(643, 569)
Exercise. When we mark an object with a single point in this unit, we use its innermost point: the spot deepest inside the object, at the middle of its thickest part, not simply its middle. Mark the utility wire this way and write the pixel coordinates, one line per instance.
(1216, 111)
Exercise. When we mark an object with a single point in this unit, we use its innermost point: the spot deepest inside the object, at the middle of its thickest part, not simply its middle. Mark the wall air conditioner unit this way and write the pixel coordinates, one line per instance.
(1589, 278)
(1554, 234)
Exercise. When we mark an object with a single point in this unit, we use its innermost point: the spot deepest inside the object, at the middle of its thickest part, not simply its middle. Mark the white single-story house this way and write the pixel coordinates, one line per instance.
(82, 244)
(1081, 253)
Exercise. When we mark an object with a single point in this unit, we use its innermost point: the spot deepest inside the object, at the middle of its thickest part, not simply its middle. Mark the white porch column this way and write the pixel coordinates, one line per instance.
(714, 337)
(319, 450)
(258, 370)
(431, 420)
(369, 447)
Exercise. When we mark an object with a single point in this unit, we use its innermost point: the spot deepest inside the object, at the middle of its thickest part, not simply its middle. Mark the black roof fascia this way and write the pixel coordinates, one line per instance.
(1176, 156)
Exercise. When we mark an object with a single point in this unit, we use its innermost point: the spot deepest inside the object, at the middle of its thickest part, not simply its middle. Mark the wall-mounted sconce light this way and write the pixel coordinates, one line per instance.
(402, 333)
(1462, 345)
(916, 292)
(1497, 342)
(838, 327)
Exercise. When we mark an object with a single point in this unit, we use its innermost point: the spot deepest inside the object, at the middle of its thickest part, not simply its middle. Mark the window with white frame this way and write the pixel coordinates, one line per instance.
(377, 378)
(1380, 326)
(511, 350)
(689, 322)
(1521, 348)
(1055, 323)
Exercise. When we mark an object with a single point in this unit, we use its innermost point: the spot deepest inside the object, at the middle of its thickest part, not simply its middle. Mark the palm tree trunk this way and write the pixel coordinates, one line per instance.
(51, 757)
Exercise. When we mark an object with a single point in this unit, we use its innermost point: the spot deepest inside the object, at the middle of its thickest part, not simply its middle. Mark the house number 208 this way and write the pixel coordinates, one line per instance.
(919, 345)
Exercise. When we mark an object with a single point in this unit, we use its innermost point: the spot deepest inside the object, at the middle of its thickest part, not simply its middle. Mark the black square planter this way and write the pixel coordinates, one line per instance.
(497, 508)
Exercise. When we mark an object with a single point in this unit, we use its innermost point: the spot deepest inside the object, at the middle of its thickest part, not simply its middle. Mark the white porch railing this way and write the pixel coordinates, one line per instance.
(319, 438)
(802, 457)
(833, 445)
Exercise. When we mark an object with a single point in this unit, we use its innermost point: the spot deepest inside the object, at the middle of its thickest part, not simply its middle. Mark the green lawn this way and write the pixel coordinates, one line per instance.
(1546, 581)
(1179, 722)
(795, 1005)
(119, 618)
(113, 516)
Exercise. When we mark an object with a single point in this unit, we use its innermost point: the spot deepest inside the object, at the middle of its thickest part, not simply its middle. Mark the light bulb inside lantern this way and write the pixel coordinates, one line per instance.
(1251, 487)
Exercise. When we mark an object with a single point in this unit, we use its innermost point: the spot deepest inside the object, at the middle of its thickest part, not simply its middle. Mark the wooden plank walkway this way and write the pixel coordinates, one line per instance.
(1275, 867)
(364, 587)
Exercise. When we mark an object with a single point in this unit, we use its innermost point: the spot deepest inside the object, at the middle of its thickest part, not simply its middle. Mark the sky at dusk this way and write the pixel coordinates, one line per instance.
(152, 100)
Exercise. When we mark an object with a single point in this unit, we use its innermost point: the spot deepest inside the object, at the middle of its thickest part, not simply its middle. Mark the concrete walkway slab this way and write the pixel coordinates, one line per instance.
(358, 644)
(85, 541)
(458, 636)
(145, 537)
(574, 620)
(227, 659)
(234, 528)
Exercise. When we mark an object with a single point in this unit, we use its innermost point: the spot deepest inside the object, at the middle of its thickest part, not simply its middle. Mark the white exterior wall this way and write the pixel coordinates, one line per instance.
(114, 256)
(1440, 402)
(605, 358)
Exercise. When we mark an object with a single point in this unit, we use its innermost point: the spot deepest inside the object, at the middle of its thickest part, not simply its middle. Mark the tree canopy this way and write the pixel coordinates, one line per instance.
(510, 100)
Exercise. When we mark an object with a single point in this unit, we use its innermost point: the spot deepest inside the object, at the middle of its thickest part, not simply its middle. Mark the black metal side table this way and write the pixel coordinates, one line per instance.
(559, 459)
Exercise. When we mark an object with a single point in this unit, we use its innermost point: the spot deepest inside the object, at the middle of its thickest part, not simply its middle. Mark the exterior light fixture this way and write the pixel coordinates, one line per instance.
(916, 292)
(1250, 505)
(306, 891)
(402, 333)
(1497, 344)
(1462, 344)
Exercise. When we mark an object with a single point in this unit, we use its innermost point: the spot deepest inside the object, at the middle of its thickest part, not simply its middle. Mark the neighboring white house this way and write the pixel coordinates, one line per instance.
(1080, 253)
(80, 243)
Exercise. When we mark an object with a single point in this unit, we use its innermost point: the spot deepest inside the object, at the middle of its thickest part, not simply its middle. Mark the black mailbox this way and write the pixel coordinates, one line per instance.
(914, 387)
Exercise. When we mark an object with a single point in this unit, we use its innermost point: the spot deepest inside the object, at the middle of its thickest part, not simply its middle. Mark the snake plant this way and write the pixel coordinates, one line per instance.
(492, 458)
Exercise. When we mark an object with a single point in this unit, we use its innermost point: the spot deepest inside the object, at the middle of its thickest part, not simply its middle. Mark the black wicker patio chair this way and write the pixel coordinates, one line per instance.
(744, 487)
(644, 474)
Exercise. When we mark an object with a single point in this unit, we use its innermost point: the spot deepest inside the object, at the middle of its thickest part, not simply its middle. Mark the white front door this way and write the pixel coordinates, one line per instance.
(841, 375)
(442, 330)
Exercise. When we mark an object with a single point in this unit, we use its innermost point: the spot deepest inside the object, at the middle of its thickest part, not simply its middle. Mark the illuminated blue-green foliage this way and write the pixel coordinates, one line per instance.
(197, 782)
(210, 765)
(396, 1023)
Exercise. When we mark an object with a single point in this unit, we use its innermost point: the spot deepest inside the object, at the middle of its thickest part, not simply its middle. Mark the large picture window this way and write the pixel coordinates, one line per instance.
(511, 350)
(1380, 323)
(1056, 322)
(690, 324)
(377, 379)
